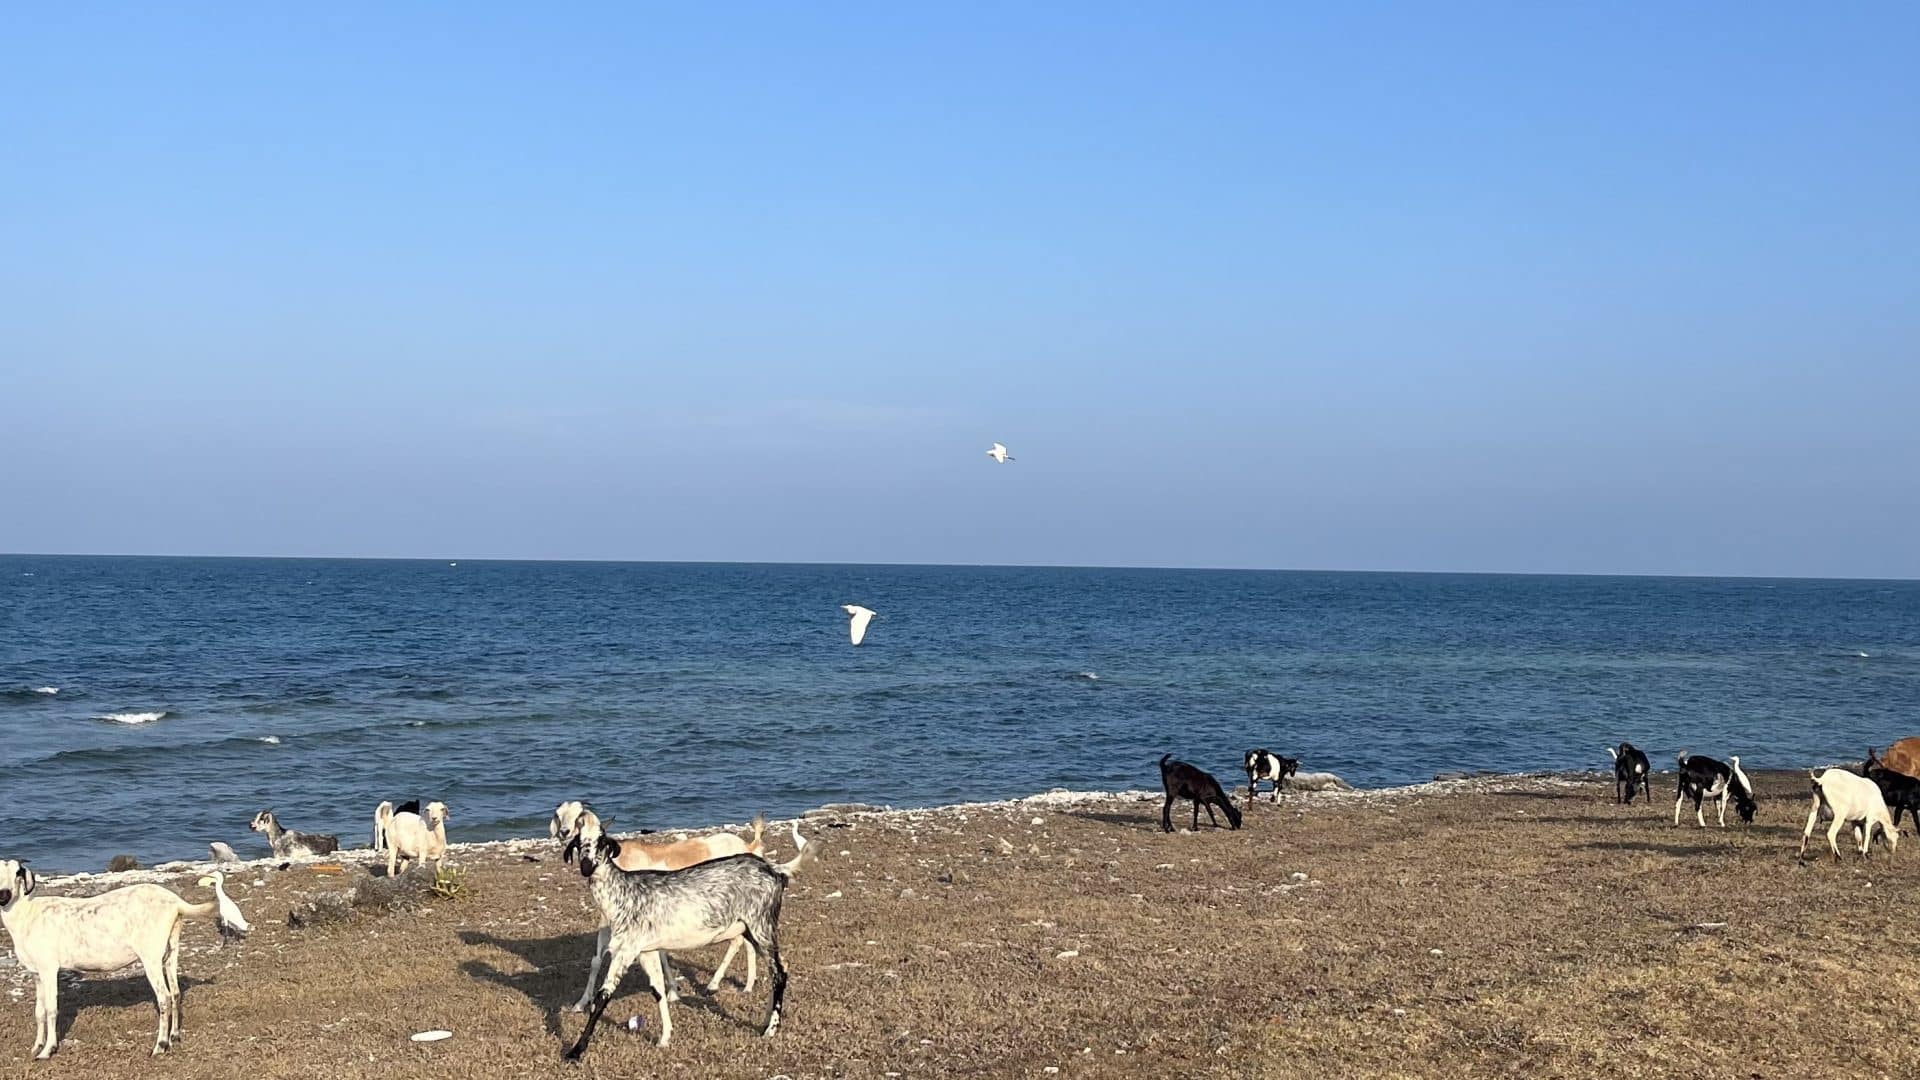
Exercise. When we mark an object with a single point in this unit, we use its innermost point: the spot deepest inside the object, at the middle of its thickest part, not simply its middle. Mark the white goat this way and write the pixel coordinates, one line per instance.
(136, 924)
(1852, 800)
(412, 837)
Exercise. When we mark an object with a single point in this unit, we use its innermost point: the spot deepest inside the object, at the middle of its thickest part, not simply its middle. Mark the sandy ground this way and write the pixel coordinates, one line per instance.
(1501, 926)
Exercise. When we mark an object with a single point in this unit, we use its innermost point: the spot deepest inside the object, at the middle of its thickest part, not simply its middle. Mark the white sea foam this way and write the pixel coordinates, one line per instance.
(1088, 675)
(270, 740)
(46, 689)
(132, 717)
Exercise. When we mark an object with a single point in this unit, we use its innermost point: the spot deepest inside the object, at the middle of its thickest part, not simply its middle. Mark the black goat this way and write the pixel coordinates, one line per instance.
(1631, 771)
(1183, 781)
(1901, 791)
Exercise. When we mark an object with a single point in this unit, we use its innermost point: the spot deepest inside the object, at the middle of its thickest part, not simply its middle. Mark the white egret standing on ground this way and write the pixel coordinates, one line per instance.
(232, 923)
(998, 453)
(857, 628)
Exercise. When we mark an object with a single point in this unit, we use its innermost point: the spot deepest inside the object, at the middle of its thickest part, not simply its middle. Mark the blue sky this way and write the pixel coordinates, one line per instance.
(1450, 287)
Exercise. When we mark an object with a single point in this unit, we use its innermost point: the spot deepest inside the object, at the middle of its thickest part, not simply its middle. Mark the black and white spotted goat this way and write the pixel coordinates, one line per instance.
(1704, 778)
(1631, 772)
(1271, 767)
(652, 912)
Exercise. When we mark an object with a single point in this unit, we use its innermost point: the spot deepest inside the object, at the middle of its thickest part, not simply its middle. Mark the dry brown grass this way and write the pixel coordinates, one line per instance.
(1568, 936)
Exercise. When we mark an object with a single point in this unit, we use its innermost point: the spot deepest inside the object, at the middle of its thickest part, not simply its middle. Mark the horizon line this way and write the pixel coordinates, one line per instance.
(960, 566)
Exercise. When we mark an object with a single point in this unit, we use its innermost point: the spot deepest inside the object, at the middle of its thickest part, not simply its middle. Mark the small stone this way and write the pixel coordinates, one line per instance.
(1068, 955)
(1037, 821)
(1297, 876)
(1435, 952)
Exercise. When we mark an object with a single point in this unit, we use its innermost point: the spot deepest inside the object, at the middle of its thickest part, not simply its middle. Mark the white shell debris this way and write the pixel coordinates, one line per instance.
(431, 1036)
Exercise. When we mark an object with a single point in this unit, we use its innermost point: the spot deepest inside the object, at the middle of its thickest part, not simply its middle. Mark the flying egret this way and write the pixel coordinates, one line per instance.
(857, 629)
(232, 923)
(998, 452)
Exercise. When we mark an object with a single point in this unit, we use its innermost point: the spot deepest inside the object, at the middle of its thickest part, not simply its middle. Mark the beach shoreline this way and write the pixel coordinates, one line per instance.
(1484, 925)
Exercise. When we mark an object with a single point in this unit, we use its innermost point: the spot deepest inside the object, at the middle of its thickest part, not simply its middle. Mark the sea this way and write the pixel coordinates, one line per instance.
(151, 705)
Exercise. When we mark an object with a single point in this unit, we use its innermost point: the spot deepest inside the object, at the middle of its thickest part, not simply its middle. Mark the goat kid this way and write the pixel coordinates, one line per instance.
(1850, 799)
(412, 837)
(1269, 766)
(568, 819)
(1704, 778)
(652, 912)
(1631, 771)
(136, 924)
(1183, 781)
(288, 844)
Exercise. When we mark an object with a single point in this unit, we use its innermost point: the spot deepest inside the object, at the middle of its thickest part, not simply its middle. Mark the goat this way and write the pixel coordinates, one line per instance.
(412, 837)
(1183, 781)
(1704, 778)
(136, 924)
(1269, 766)
(1904, 757)
(288, 844)
(411, 806)
(1902, 792)
(651, 912)
(1631, 771)
(568, 818)
(1852, 800)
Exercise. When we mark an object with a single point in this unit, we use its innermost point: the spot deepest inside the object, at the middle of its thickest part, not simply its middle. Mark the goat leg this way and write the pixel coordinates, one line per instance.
(601, 995)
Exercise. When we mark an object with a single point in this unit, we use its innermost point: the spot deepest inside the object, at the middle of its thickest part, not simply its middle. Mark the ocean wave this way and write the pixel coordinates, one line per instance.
(29, 693)
(270, 740)
(132, 717)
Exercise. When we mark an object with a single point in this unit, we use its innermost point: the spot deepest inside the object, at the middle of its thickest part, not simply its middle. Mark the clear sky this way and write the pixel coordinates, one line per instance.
(1456, 287)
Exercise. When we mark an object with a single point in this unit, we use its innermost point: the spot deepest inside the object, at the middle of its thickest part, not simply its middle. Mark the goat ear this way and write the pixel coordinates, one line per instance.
(27, 880)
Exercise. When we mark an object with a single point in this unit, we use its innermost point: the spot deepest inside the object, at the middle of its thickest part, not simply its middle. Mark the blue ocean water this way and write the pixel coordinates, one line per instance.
(678, 694)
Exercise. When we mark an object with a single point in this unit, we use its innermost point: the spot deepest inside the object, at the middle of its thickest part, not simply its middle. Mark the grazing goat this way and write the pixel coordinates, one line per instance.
(1854, 800)
(411, 806)
(1902, 792)
(652, 912)
(1183, 781)
(288, 844)
(1631, 771)
(1904, 757)
(412, 837)
(1269, 766)
(1704, 778)
(568, 818)
(136, 924)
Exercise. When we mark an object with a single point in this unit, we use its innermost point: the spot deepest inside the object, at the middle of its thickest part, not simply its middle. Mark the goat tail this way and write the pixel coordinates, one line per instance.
(382, 818)
(1164, 758)
(804, 854)
(759, 842)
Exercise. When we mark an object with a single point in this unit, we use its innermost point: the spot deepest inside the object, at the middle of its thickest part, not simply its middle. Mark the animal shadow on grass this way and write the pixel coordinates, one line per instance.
(559, 972)
(1143, 819)
(119, 992)
(1678, 851)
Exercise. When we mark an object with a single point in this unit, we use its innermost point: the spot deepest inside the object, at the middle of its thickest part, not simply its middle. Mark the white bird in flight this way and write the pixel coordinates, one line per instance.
(998, 452)
(857, 628)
